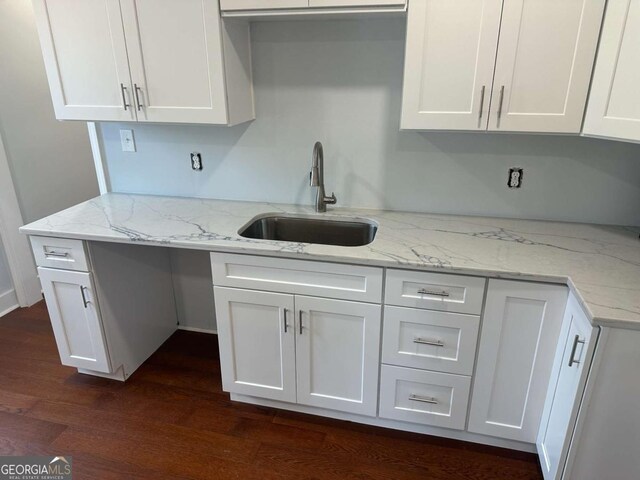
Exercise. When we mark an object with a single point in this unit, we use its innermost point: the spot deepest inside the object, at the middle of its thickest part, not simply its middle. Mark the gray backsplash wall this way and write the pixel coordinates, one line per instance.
(340, 82)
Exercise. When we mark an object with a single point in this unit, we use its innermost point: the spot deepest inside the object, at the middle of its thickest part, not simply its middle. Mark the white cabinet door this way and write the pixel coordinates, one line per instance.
(544, 64)
(175, 52)
(449, 60)
(230, 5)
(568, 378)
(614, 102)
(520, 329)
(338, 354)
(75, 319)
(257, 343)
(85, 56)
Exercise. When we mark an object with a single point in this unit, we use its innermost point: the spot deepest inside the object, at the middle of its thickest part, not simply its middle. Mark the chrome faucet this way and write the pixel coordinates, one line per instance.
(316, 179)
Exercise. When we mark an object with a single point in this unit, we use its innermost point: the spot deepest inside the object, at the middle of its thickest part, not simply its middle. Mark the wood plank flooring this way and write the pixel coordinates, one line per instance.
(172, 420)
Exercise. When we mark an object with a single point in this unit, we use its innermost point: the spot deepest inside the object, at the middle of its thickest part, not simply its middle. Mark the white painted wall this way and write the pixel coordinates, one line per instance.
(50, 161)
(5, 275)
(340, 82)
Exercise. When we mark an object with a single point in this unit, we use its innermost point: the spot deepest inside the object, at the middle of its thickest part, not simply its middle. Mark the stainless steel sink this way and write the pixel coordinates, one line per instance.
(346, 232)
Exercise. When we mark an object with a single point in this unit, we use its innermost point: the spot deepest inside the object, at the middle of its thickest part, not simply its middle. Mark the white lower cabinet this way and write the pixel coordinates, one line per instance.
(338, 354)
(568, 378)
(306, 350)
(429, 398)
(75, 319)
(520, 331)
(257, 343)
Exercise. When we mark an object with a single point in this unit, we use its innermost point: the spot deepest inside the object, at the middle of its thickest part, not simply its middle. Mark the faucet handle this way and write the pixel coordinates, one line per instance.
(332, 200)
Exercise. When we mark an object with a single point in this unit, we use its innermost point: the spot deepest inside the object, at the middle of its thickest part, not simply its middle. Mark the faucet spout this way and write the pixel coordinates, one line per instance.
(316, 179)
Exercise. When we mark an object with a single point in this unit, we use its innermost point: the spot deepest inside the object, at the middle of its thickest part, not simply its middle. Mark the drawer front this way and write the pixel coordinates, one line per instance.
(435, 291)
(345, 282)
(63, 253)
(440, 341)
(428, 398)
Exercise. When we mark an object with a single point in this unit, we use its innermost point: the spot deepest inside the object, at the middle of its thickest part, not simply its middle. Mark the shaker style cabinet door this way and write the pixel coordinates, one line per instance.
(518, 339)
(177, 67)
(614, 101)
(256, 334)
(338, 354)
(449, 60)
(85, 56)
(544, 64)
(568, 378)
(75, 319)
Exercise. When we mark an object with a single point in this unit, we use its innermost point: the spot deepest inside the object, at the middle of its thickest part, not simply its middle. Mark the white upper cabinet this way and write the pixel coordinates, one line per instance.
(176, 60)
(614, 102)
(544, 63)
(145, 60)
(520, 329)
(85, 56)
(449, 59)
(521, 65)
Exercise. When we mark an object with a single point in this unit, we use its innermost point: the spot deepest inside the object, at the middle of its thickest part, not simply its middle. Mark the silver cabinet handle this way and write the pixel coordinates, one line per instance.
(123, 90)
(572, 359)
(481, 102)
(137, 91)
(500, 104)
(424, 341)
(56, 254)
(85, 302)
(285, 321)
(420, 398)
(300, 321)
(424, 291)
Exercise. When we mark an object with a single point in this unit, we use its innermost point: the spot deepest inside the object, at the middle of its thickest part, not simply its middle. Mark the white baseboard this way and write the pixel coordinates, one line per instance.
(199, 330)
(8, 302)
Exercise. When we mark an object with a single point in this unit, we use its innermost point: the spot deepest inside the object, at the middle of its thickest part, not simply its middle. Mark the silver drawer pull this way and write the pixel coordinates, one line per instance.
(420, 398)
(425, 341)
(56, 254)
(572, 357)
(443, 293)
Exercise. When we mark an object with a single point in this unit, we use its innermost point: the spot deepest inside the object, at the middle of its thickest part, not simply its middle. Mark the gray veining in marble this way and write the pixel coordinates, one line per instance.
(600, 263)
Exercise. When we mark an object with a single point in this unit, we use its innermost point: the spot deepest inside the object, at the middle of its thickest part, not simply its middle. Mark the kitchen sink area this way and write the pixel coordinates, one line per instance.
(345, 232)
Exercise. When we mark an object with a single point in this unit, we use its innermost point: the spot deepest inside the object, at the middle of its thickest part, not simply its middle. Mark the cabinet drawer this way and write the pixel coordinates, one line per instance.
(431, 340)
(435, 291)
(61, 253)
(345, 282)
(429, 398)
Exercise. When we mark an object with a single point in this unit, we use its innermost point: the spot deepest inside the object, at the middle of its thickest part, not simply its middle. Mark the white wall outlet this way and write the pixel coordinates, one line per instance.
(128, 143)
(515, 177)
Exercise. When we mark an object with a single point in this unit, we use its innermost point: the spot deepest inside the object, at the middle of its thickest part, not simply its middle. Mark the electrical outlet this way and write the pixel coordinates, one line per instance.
(127, 141)
(515, 177)
(196, 161)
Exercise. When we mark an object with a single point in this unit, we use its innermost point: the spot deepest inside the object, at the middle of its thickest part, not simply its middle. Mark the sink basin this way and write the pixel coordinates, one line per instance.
(346, 232)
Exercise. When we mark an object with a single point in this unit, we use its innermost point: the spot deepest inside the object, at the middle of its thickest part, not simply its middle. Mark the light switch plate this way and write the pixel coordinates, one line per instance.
(128, 143)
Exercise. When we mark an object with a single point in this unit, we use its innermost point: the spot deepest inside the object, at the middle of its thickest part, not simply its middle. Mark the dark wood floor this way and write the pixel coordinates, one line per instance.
(172, 420)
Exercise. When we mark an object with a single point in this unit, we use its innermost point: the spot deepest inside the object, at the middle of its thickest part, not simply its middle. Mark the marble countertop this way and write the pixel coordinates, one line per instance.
(601, 264)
